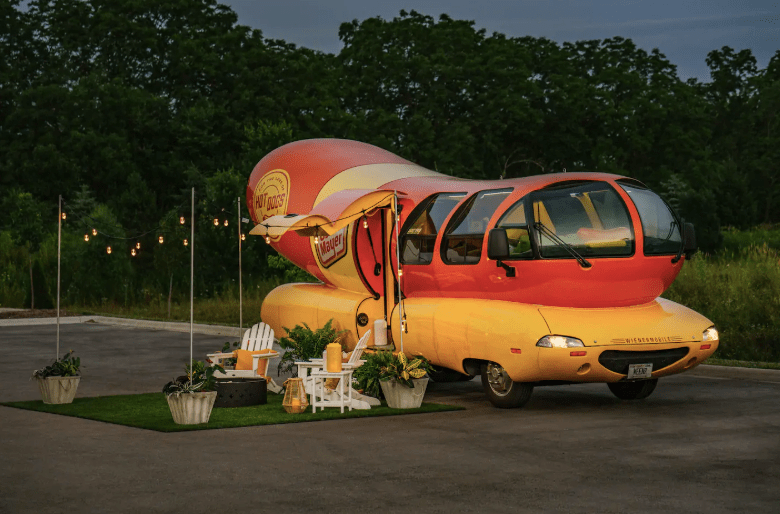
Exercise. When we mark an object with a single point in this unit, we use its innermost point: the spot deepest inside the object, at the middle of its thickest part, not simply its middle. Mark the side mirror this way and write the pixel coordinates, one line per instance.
(498, 244)
(689, 238)
(498, 248)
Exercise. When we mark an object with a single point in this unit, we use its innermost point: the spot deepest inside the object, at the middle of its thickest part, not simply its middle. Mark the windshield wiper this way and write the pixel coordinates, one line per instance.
(541, 227)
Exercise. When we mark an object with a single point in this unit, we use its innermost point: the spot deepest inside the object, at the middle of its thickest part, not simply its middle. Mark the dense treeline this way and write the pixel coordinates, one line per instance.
(122, 107)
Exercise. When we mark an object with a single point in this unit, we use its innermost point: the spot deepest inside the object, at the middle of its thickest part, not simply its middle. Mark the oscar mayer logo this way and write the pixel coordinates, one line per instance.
(332, 248)
(271, 195)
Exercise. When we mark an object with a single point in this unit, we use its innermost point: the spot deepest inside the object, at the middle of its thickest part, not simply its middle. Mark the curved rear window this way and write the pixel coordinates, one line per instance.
(659, 224)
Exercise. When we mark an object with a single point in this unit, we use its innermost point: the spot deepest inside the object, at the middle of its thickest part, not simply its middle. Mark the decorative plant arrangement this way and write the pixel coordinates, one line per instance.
(303, 344)
(191, 397)
(59, 381)
(366, 377)
(403, 381)
(229, 363)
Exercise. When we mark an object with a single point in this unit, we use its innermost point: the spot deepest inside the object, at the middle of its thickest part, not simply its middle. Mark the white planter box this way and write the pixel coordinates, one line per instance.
(399, 396)
(55, 390)
(191, 408)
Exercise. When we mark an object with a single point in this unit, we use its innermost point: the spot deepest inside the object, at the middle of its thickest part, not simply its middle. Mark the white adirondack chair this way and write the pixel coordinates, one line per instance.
(258, 337)
(359, 401)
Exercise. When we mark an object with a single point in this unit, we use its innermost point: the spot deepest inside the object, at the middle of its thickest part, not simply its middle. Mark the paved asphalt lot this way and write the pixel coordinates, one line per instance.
(707, 441)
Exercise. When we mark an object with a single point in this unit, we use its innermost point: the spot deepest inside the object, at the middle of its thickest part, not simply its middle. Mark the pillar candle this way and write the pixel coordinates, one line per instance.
(334, 358)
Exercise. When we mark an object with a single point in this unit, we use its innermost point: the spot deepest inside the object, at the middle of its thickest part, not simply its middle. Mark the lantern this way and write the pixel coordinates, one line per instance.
(295, 401)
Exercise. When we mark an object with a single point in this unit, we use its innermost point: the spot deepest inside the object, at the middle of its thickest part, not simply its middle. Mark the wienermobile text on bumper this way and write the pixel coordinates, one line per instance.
(531, 281)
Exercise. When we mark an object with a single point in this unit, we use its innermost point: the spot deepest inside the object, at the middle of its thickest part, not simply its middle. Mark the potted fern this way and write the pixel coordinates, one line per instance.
(59, 381)
(191, 397)
(303, 344)
(403, 381)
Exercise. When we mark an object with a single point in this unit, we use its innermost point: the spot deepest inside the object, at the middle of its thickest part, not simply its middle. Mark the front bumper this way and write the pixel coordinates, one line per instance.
(610, 363)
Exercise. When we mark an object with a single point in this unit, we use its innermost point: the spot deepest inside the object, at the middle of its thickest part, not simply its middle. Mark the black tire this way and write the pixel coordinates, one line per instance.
(638, 390)
(448, 375)
(501, 390)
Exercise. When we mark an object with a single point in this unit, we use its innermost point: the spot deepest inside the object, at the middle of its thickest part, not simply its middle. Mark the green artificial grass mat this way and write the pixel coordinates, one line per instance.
(150, 411)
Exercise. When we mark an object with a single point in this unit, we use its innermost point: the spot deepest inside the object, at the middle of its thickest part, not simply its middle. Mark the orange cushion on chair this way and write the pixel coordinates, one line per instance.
(244, 361)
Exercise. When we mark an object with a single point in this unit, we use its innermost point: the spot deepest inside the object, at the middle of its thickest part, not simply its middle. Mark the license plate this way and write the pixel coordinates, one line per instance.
(637, 371)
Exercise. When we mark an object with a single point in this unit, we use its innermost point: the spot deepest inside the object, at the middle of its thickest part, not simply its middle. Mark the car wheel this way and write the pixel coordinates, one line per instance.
(501, 390)
(633, 390)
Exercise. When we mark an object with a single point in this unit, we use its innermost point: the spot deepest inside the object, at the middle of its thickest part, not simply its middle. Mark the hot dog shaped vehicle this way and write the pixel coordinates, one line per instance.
(531, 281)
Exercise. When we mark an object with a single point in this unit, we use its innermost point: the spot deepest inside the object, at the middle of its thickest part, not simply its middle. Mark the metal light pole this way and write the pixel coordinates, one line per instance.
(59, 251)
(398, 271)
(192, 277)
(240, 289)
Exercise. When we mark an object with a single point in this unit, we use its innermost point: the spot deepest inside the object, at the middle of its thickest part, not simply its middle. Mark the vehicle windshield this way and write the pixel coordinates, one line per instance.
(659, 224)
(588, 216)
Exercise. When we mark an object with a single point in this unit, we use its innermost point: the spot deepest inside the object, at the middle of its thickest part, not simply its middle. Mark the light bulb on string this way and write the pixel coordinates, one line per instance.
(108, 250)
(86, 237)
(132, 252)
(138, 246)
(226, 223)
(243, 236)
(186, 242)
(268, 240)
(94, 231)
(365, 222)
(64, 215)
(400, 272)
(316, 240)
(160, 239)
(181, 220)
(216, 222)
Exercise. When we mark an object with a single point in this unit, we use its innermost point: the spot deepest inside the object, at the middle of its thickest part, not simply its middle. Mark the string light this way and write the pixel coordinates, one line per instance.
(138, 245)
(216, 222)
(160, 239)
(186, 242)
(316, 240)
(132, 252)
(365, 222)
(268, 240)
(181, 220)
(243, 236)
(86, 237)
(64, 215)
(108, 250)
(226, 223)
(400, 272)
(94, 231)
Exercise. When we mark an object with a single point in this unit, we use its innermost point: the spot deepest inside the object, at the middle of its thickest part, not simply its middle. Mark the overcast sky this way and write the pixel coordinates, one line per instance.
(683, 30)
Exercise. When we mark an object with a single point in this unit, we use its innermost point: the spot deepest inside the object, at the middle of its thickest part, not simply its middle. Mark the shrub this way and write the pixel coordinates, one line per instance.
(303, 344)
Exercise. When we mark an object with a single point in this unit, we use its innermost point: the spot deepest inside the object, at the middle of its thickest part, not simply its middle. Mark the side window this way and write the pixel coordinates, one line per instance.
(462, 241)
(516, 226)
(589, 217)
(418, 235)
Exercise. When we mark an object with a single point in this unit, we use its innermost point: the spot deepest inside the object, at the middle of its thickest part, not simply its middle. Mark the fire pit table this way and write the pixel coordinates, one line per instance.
(241, 392)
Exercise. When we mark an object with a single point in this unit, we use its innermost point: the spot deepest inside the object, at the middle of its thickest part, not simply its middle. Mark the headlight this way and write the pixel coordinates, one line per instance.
(711, 334)
(559, 342)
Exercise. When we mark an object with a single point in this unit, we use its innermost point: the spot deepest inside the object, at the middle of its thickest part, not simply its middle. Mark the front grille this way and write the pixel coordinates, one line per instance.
(618, 360)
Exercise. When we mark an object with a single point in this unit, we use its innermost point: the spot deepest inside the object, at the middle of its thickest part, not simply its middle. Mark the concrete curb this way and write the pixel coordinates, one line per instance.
(217, 330)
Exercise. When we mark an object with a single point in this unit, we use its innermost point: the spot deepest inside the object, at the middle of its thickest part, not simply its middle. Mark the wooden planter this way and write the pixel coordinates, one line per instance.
(399, 396)
(56, 390)
(191, 408)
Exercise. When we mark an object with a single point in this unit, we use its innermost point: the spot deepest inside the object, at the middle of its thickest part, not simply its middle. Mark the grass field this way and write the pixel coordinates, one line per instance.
(150, 411)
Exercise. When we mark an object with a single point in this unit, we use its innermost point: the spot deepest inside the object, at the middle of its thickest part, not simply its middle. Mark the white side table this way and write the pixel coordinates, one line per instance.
(342, 396)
